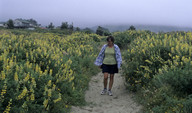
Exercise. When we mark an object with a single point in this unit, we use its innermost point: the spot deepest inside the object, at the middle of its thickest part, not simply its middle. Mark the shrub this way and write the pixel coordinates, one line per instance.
(169, 91)
(148, 56)
(45, 72)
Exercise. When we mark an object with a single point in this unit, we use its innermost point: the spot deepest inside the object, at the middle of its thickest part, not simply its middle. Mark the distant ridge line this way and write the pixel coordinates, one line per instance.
(153, 28)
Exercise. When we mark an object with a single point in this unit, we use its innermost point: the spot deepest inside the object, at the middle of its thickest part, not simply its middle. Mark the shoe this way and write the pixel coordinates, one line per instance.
(110, 93)
(104, 91)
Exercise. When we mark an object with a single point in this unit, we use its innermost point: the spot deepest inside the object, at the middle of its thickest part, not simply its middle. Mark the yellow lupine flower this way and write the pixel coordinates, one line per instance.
(8, 107)
(49, 92)
(146, 68)
(32, 97)
(143, 51)
(24, 92)
(45, 72)
(183, 58)
(45, 103)
(72, 78)
(16, 77)
(41, 72)
(176, 63)
(7, 60)
(186, 60)
(46, 89)
(54, 86)
(170, 55)
(177, 48)
(70, 72)
(73, 86)
(2, 75)
(33, 81)
(173, 57)
(11, 63)
(132, 51)
(27, 55)
(49, 83)
(51, 72)
(146, 75)
(182, 46)
(58, 99)
(181, 63)
(27, 77)
(17, 68)
(137, 81)
(4, 90)
(151, 45)
(37, 68)
(7, 68)
(148, 61)
(177, 57)
(70, 61)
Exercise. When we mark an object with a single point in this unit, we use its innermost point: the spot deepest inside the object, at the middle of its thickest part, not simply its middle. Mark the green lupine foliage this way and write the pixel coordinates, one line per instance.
(158, 67)
(45, 72)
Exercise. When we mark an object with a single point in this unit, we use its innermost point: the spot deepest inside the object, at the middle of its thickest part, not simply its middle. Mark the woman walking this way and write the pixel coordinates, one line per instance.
(109, 60)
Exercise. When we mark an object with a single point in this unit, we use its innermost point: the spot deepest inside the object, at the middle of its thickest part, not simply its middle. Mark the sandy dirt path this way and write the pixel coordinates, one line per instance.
(120, 102)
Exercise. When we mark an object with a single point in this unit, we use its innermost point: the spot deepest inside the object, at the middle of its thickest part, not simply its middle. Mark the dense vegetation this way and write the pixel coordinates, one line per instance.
(49, 70)
(158, 67)
(45, 72)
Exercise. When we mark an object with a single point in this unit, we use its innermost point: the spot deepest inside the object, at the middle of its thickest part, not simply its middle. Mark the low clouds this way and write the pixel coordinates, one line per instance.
(97, 12)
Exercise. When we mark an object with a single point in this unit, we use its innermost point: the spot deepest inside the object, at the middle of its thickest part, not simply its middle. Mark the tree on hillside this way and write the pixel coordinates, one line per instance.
(64, 25)
(50, 26)
(10, 24)
(106, 32)
(32, 21)
(102, 31)
(132, 28)
(88, 30)
(77, 29)
(71, 27)
(99, 30)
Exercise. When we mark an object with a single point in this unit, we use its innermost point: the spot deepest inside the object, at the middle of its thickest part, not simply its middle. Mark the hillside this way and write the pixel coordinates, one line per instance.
(153, 28)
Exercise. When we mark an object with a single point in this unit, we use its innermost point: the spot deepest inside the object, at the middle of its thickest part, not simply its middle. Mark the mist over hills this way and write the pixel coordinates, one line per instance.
(153, 28)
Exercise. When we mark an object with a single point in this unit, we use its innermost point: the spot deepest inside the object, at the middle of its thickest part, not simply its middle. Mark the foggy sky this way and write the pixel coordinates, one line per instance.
(88, 13)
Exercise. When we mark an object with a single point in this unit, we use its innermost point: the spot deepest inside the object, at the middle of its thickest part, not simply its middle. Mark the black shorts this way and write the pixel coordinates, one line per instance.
(111, 69)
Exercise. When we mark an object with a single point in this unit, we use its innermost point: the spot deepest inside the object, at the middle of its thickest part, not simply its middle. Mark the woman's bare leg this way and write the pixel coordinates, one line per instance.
(111, 81)
(105, 80)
